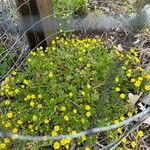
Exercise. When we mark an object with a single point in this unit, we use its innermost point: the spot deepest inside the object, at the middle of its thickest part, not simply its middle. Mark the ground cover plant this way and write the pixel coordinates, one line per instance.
(67, 88)
(68, 7)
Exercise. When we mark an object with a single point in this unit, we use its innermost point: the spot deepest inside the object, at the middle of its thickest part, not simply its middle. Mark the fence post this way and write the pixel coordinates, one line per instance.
(32, 14)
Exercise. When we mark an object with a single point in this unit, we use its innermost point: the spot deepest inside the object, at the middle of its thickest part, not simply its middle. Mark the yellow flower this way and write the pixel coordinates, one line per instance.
(56, 145)
(29, 59)
(133, 80)
(63, 108)
(32, 104)
(117, 53)
(124, 140)
(2, 145)
(83, 137)
(22, 86)
(30, 126)
(137, 60)
(15, 130)
(28, 97)
(132, 50)
(116, 121)
(83, 93)
(81, 59)
(68, 140)
(88, 86)
(119, 130)
(140, 78)
(14, 73)
(83, 120)
(46, 121)
(7, 102)
(56, 128)
(70, 94)
(16, 91)
(53, 48)
(9, 115)
(147, 76)
(129, 114)
(74, 111)
(116, 79)
(50, 75)
(87, 148)
(117, 89)
(34, 117)
(53, 42)
(74, 132)
(122, 118)
(140, 134)
(6, 140)
(88, 65)
(129, 75)
(137, 83)
(66, 118)
(122, 96)
(123, 67)
(88, 114)
(42, 54)
(19, 122)
(33, 53)
(133, 144)
(26, 82)
(7, 79)
(129, 70)
(8, 124)
(87, 107)
(33, 96)
(147, 87)
(40, 106)
(63, 141)
(54, 133)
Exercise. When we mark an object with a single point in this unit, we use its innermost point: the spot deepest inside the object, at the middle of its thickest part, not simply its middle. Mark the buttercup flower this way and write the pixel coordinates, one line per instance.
(88, 114)
(122, 96)
(140, 134)
(133, 144)
(117, 89)
(9, 115)
(87, 107)
(56, 145)
(46, 121)
(56, 128)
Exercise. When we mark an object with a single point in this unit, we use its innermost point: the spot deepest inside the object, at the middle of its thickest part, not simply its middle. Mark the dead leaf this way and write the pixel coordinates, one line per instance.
(146, 99)
(133, 98)
(142, 107)
(147, 121)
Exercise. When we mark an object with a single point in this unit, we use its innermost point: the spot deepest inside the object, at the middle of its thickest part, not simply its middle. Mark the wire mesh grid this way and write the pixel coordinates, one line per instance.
(13, 47)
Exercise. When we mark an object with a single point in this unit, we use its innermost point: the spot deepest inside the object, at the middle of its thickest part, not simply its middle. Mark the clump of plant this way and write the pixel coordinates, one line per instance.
(6, 60)
(64, 7)
(131, 83)
(59, 92)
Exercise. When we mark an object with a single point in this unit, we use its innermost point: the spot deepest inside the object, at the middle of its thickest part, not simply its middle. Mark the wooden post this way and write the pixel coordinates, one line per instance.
(46, 11)
(32, 15)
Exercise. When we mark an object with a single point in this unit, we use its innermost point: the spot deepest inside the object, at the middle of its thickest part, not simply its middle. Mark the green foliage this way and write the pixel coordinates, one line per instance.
(7, 60)
(64, 7)
(68, 88)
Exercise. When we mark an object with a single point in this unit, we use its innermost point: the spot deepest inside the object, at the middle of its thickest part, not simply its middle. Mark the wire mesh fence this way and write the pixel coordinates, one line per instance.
(14, 50)
(13, 46)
